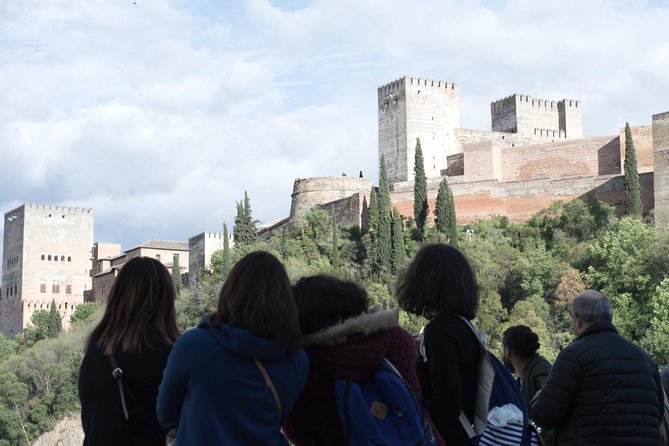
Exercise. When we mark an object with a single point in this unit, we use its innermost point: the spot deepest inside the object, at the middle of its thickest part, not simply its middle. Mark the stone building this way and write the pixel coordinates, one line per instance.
(534, 154)
(200, 249)
(107, 261)
(46, 257)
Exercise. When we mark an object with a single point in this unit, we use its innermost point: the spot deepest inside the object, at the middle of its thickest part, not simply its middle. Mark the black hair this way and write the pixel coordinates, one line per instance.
(438, 281)
(521, 340)
(323, 301)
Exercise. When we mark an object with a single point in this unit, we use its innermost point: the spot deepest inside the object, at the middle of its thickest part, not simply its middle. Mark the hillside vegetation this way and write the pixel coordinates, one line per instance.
(528, 274)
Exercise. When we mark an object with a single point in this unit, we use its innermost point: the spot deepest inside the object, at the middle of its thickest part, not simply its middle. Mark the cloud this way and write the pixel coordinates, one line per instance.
(160, 114)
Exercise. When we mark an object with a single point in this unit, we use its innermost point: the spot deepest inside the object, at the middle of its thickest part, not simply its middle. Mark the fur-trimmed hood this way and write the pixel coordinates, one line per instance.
(367, 323)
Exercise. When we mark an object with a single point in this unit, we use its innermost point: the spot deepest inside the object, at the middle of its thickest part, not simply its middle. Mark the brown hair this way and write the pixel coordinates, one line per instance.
(438, 281)
(140, 309)
(256, 296)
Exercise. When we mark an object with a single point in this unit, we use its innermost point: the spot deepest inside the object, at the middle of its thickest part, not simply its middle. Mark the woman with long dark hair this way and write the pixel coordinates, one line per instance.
(440, 285)
(125, 357)
(235, 377)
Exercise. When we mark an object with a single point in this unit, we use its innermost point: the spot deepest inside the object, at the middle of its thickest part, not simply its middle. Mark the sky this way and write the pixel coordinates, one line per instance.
(159, 114)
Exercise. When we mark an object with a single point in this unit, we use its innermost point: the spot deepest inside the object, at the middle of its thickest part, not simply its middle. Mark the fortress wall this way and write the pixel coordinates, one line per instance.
(553, 160)
(10, 316)
(660, 130)
(519, 200)
(643, 147)
(482, 161)
(311, 192)
(571, 118)
(503, 115)
(200, 249)
(392, 129)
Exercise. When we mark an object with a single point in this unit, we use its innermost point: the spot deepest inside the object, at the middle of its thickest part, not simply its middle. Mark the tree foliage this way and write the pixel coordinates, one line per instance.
(244, 232)
(633, 203)
(444, 212)
(398, 256)
(384, 233)
(420, 206)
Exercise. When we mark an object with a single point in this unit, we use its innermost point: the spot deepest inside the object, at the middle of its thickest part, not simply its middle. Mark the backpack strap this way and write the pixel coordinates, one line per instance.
(270, 384)
(117, 373)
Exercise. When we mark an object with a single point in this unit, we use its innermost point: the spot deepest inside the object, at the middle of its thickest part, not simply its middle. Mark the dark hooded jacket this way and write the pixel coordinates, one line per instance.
(353, 350)
(602, 390)
(215, 394)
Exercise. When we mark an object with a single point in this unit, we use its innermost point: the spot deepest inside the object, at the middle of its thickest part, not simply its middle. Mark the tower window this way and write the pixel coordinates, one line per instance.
(69, 259)
(49, 258)
(42, 288)
(62, 258)
(68, 290)
(42, 256)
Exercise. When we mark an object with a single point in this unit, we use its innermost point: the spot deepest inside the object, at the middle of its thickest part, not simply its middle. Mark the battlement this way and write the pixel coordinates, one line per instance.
(400, 83)
(209, 235)
(549, 133)
(53, 207)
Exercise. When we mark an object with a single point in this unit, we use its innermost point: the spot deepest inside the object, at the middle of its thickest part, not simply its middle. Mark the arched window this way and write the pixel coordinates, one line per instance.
(42, 256)
(62, 258)
(49, 258)
(69, 259)
(42, 288)
(68, 290)
(55, 258)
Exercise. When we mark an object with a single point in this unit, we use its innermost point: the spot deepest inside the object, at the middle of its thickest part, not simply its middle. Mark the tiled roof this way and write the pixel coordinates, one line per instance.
(164, 244)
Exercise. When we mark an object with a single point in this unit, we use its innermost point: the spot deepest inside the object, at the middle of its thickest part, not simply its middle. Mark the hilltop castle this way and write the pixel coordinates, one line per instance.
(534, 155)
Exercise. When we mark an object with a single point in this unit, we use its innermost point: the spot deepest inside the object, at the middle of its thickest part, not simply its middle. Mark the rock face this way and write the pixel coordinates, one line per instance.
(67, 432)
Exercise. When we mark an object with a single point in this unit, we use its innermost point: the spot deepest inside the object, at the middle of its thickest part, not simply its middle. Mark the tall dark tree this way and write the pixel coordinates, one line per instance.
(384, 234)
(420, 206)
(335, 242)
(176, 273)
(399, 251)
(226, 250)
(54, 322)
(244, 232)
(373, 218)
(633, 203)
(444, 212)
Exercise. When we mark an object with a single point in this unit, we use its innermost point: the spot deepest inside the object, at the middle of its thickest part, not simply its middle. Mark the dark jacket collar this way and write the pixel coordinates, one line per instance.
(598, 326)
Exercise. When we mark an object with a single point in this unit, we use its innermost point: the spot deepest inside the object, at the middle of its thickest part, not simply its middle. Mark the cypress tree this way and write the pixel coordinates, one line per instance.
(445, 213)
(244, 232)
(335, 243)
(226, 250)
(633, 203)
(399, 251)
(420, 206)
(54, 322)
(176, 273)
(384, 235)
(373, 218)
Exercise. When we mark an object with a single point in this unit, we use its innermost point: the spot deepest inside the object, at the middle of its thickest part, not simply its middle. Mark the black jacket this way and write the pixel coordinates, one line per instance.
(602, 389)
(449, 379)
(101, 409)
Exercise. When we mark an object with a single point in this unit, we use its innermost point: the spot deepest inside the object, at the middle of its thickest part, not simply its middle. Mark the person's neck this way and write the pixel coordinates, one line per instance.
(519, 366)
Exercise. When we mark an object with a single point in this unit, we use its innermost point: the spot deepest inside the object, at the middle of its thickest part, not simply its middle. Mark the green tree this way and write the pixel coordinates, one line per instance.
(633, 203)
(244, 232)
(445, 213)
(83, 312)
(398, 255)
(655, 339)
(335, 243)
(54, 322)
(176, 273)
(226, 251)
(384, 235)
(420, 206)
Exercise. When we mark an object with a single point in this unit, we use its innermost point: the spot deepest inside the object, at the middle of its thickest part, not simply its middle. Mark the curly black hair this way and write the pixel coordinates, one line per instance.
(521, 340)
(438, 281)
(323, 301)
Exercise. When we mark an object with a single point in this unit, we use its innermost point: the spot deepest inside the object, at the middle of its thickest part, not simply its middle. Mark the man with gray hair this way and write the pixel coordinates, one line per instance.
(602, 388)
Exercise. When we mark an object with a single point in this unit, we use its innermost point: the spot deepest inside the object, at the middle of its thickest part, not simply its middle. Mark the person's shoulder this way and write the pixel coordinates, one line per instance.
(194, 338)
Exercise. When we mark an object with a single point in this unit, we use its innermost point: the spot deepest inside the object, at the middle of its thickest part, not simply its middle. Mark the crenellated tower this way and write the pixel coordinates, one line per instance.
(411, 108)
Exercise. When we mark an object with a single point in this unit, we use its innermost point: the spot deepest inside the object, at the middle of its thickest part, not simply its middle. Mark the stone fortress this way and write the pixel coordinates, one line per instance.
(534, 154)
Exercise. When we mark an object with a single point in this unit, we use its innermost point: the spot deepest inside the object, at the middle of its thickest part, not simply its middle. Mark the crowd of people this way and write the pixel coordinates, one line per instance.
(266, 366)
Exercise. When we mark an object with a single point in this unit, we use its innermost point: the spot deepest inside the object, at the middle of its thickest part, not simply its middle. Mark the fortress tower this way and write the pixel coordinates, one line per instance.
(527, 116)
(661, 162)
(46, 256)
(411, 108)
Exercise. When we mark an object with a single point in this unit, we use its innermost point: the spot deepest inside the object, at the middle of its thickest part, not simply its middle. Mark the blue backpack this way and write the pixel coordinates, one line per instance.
(497, 389)
(381, 410)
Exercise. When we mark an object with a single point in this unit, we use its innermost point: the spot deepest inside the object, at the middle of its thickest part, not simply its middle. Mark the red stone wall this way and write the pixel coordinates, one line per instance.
(643, 147)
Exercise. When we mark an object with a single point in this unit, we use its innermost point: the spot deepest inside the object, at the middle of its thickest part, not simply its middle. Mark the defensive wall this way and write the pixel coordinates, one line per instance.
(660, 131)
(200, 249)
(525, 115)
(312, 192)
